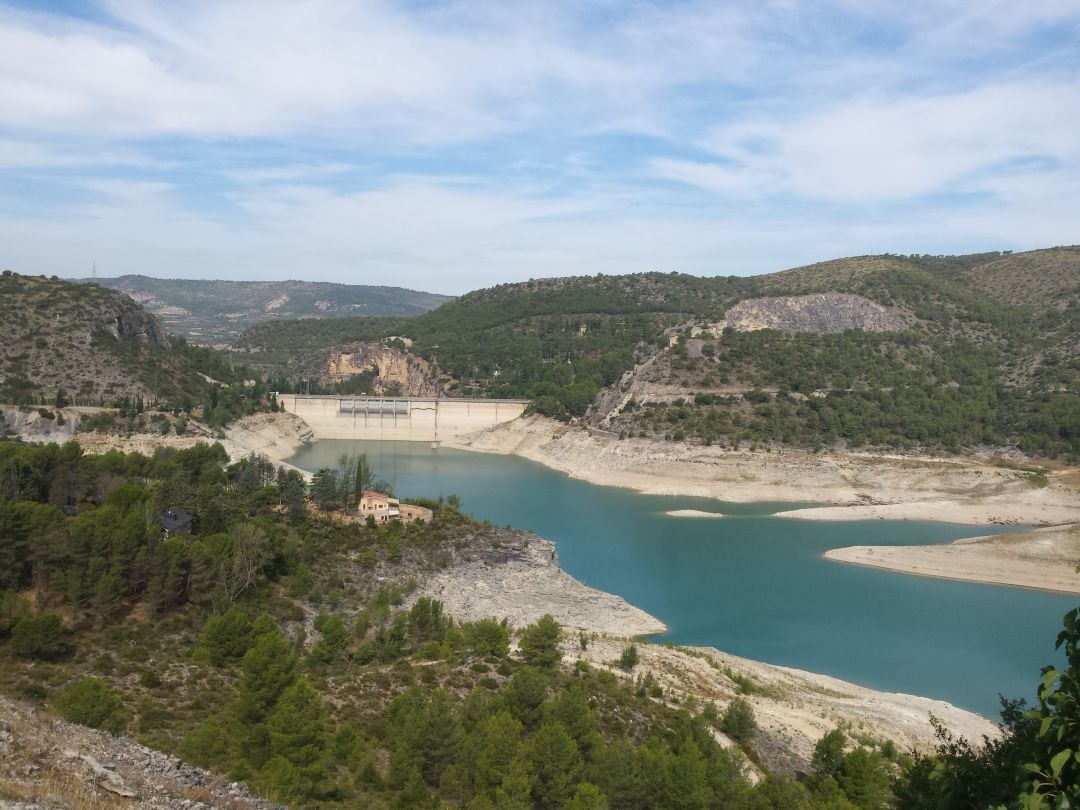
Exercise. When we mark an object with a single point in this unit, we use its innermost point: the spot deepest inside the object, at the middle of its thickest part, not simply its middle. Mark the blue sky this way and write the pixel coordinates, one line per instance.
(448, 146)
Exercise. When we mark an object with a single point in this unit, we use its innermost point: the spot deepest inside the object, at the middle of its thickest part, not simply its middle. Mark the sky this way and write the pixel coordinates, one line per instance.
(448, 146)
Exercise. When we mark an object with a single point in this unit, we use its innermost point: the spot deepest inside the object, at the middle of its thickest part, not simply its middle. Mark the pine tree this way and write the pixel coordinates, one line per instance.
(540, 643)
(556, 762)
(268, 669)
(298, 735)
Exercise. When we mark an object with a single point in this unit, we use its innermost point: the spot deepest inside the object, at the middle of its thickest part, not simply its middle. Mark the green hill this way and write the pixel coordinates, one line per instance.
(96, 346)
(978, 350)
(214, 311)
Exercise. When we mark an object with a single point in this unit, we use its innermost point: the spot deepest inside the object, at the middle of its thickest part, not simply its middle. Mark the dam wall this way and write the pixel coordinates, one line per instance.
(405, 419)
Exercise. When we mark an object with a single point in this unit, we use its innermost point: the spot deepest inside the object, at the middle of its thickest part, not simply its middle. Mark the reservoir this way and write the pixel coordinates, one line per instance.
(752, 584)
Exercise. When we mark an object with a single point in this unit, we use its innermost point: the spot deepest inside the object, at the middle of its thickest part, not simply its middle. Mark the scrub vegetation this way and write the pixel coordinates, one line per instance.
(279, 645)
(991, 355)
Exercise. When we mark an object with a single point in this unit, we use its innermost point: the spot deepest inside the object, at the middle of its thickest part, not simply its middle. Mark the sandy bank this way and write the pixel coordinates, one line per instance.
(857, 487)
(1044, 559)
(693, 513)
(274, 435)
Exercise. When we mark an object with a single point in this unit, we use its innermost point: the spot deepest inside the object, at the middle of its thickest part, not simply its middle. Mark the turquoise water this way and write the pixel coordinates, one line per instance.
(751, 584)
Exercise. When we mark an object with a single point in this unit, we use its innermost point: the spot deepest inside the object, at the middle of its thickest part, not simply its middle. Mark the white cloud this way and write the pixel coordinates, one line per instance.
(894, 149)
(273, 138)
(424, 234)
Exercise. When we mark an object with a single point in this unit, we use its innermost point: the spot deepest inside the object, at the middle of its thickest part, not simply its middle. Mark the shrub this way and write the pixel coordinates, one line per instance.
(487, 637)
(206, 746)
(90, 702)
(738, 720)
(540, 643)
(226, 637)
(40, 636)
(629, 658)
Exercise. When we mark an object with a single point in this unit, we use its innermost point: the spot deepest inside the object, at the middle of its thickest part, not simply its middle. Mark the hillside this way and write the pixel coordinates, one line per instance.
(309, 655)
(214, 311)
(88, 345)
(938, 353)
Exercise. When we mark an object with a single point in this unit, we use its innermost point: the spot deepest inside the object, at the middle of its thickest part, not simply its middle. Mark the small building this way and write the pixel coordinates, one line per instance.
(411, 512)
(378, 504)
(176, 522)
(384, 508)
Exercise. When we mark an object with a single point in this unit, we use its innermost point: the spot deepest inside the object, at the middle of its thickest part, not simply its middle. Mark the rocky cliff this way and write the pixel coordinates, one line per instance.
(96, 345)
(398, 371)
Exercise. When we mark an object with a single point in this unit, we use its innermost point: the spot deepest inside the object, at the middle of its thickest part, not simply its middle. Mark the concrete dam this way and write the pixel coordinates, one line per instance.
(404, 419)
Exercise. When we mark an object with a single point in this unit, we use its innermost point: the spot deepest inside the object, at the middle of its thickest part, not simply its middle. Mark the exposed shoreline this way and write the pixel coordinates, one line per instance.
(811, 704)
(520, 579)
(848, 486)
(1043, 559)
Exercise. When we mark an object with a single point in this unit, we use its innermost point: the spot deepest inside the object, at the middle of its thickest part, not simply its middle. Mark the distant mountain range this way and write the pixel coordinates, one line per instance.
(215, 312)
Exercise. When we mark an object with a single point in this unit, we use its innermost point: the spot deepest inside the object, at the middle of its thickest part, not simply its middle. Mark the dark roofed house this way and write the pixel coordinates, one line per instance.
(176, 521)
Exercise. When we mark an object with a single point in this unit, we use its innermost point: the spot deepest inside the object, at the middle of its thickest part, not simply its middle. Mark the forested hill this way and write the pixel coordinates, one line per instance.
(67, 343)
(214, 311)
(922, 352)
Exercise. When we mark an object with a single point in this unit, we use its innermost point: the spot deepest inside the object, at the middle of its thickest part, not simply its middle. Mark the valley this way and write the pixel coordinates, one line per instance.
(808, 412)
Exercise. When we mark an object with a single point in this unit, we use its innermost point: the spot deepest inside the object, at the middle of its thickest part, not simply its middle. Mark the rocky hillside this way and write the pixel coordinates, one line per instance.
(215, 312)
(51, 764)
(92, 346)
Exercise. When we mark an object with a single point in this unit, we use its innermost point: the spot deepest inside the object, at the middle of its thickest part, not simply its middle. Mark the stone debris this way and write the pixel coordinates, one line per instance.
(55, 765)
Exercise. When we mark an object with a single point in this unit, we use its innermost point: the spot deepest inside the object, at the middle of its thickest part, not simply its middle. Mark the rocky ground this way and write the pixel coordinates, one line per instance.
(54, 765)
(520, 580)
(794, 709)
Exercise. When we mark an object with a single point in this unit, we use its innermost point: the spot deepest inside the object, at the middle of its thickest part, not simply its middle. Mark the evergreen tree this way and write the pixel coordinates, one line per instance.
(525, 695)
(41, 636)
(324, 488)
(267, 670)
(540, 643)
(298, 735)
(556, 762)
(492, 749)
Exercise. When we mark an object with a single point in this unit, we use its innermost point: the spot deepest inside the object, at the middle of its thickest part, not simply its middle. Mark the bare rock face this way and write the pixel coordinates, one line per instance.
(516, 576)
(817, 312)
(399, 372)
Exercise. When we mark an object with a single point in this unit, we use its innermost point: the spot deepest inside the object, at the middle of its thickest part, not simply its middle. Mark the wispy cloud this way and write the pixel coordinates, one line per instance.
(878, 149)
(454, 144)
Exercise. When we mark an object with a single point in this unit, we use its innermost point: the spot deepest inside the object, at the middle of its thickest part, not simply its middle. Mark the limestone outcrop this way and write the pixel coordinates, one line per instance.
(817, 312)
(399, 372)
